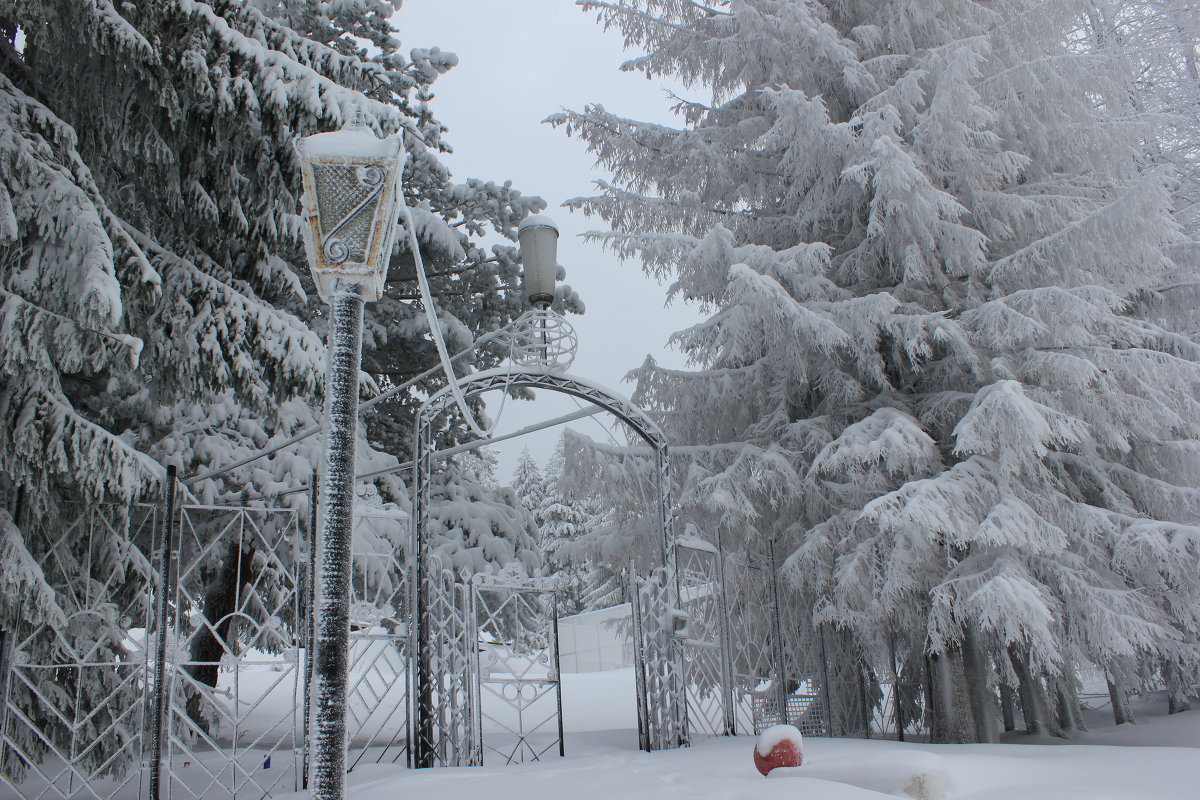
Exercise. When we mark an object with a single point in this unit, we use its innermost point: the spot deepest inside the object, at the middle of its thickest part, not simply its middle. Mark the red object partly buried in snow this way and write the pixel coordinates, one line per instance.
(784, 749)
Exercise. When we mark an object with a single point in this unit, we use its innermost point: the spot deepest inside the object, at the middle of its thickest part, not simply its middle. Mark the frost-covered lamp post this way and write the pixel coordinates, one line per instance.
(351, 180)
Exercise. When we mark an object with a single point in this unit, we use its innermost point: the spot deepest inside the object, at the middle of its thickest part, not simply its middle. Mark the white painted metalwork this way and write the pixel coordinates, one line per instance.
(76, 711)
(377, 718)
(542, 339)
(662, 712)
(233, 726)
(443, 702)
(705, 642)
(518, 690)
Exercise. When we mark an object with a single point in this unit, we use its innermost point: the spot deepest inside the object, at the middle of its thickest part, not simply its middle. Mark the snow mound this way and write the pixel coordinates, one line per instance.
(776, 734)
(921, 776)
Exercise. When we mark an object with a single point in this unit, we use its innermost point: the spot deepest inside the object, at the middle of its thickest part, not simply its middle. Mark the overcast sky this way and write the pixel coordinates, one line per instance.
(519, 62)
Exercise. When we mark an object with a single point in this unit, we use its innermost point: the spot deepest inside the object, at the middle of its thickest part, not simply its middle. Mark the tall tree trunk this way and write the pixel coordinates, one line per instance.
(951, 720)
(1070, 715)
(212, 639)
(980, 694)
(1122, 711)
(1034, 706)
(1007, 709)
(1177, 689)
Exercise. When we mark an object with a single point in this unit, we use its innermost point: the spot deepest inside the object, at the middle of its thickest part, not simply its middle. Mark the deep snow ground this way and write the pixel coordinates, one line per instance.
(603, 763)
(605, 766)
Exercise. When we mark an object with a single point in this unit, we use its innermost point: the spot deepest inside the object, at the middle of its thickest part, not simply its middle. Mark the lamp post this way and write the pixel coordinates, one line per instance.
(351, 181)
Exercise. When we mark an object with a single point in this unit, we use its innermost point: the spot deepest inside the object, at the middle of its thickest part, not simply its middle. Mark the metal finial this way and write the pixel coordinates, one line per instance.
(357, 120)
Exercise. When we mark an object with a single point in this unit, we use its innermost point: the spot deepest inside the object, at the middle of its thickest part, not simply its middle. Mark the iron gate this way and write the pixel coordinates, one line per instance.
(75, 704)
(518, 695)
(233, 653)
(705, 639)
(377, 718)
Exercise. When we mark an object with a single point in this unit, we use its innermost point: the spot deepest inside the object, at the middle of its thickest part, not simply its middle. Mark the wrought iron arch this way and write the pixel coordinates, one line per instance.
(441, 739)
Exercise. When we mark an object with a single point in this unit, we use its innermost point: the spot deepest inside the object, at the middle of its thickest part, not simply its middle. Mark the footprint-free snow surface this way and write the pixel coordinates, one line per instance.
(1158, 759)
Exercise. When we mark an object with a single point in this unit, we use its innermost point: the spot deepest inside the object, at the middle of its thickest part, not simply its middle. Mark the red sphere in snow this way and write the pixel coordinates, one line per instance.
(783, 747)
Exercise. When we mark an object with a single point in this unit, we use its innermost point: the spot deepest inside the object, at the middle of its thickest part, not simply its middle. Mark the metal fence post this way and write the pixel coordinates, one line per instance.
(6, 645)
(731, 694)
(782, 690)
(309, 633)
(165, 564)
(826, 689)
(557, 673)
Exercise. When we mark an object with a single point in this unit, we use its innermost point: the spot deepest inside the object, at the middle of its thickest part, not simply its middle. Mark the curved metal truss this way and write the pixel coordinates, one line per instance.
(662, 701)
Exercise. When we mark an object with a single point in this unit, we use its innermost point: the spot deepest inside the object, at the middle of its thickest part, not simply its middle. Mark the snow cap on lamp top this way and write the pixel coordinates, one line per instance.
(354, 139)
(538, 236)
(351, 182)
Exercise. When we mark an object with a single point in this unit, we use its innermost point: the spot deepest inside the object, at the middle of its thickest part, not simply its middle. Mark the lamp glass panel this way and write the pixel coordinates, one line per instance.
(347, 197)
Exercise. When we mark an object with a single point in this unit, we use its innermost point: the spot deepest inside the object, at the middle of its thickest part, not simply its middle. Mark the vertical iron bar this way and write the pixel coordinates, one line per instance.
(897, 713)
(725, 634)
(421, 745)
(557, 672)
(863, 679)
(310, 638)
(639, 659)
(158, 716)
(826, 689)
(476, 679)
(781, 672)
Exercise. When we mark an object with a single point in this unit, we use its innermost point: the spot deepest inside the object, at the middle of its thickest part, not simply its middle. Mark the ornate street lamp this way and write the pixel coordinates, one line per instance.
(351, 180)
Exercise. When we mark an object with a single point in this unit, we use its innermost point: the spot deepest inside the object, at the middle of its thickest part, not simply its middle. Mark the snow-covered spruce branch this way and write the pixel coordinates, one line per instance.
(129, 344)
(298, 76)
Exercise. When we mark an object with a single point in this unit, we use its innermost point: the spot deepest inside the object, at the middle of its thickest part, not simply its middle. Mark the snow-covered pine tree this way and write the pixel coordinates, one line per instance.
(564, 520)
(923, 233)
(154, 303)
(478, 526)
(1159, 40)
(529, 484)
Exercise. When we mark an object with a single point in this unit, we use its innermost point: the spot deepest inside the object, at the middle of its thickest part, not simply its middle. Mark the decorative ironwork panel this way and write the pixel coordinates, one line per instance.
(662, 703)
(235, 682)
(76, 688)
(377, 693)
(345, 196)
(519, 696)
(705, 642)
(662, 711)
(443, 687)
(759, 684)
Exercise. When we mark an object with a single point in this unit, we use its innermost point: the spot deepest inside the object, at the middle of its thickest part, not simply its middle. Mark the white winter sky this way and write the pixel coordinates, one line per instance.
(519, 62)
